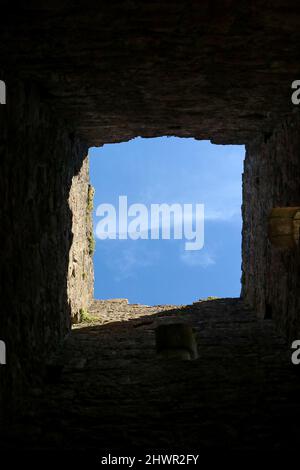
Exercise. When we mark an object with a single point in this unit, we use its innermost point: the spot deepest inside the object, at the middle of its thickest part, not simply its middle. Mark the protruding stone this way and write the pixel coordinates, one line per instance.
(284, 227)
(176, 341)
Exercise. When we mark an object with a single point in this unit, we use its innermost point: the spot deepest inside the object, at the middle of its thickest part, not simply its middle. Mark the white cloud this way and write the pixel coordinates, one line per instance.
(226, 214)
(125, 263)
(196, 258)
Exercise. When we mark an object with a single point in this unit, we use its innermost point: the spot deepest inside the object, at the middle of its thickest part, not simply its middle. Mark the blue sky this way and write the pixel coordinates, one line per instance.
(170, 170)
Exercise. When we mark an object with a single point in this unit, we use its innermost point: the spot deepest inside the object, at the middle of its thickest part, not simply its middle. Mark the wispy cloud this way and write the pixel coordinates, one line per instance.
(125, 263)
(204, 259)
(226, 214)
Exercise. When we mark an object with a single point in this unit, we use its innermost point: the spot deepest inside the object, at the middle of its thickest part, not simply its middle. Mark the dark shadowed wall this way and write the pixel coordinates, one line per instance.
(271, 276)
(40, 158)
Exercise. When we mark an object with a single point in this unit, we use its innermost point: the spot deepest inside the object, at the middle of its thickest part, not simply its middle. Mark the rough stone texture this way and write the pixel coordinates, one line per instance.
(242, 393)
(121, 309)
(39, 157)
(81, 270)
(271, 276)
(81, 74)
(218, 70)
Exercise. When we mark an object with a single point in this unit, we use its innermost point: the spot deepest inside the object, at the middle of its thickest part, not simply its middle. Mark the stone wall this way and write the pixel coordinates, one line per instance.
(90, 75)
(81, 269)
(271, 276)
(39, 158)
(217, 70)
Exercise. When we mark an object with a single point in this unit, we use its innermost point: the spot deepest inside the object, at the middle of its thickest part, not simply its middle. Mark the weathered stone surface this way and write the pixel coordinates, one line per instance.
(114, 70)
(81, 74)
(271, 276)
(81, 269)
(284, 227)
(39, 158)
(242, 393)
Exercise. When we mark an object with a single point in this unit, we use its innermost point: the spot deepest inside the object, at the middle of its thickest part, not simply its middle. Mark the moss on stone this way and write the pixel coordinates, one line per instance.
(86, 317)
(90, 200)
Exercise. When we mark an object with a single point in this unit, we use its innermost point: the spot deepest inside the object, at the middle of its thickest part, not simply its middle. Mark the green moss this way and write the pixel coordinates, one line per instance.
(86, 317)
(91, 243)
(211, 297)
(89, 210)
(90, 200)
